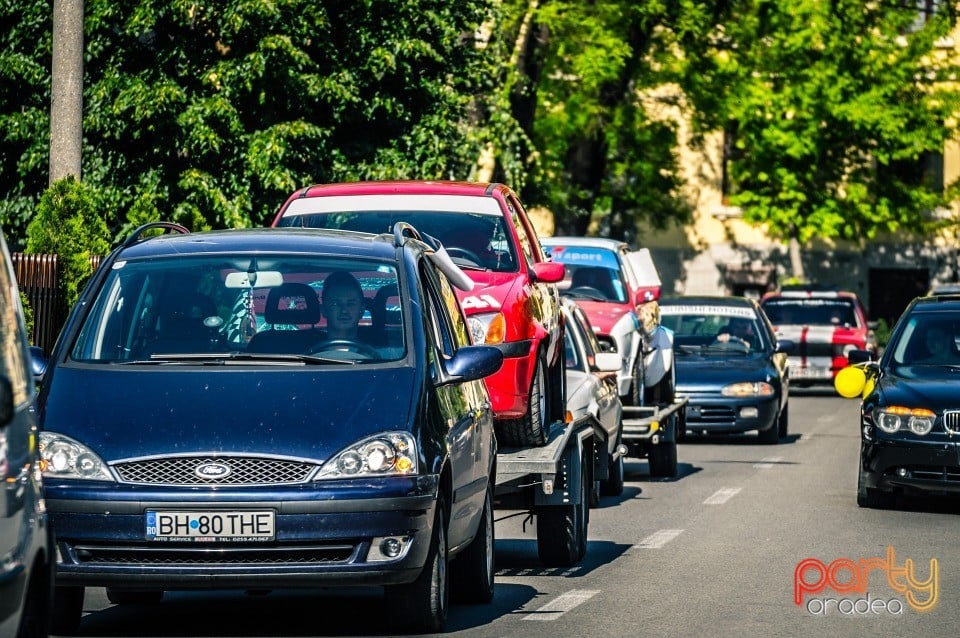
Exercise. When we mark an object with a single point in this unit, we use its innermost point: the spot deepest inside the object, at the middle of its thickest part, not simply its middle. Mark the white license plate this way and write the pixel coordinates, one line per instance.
(211, 526)
(810, 373)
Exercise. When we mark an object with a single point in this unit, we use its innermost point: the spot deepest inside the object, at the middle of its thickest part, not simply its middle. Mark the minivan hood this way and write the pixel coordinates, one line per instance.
(306, 413)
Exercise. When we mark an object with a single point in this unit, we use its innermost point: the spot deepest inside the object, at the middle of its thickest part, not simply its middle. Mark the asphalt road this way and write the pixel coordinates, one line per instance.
(713, 552)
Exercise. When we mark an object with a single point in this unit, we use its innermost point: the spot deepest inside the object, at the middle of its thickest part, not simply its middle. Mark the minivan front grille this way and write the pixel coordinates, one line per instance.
(232, 470)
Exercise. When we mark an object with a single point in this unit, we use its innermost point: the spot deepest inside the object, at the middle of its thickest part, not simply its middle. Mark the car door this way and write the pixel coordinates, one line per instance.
(458, 404)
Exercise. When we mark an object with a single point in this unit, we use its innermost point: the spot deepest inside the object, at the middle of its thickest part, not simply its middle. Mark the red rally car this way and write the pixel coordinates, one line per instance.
(514, 303)
(825, 325)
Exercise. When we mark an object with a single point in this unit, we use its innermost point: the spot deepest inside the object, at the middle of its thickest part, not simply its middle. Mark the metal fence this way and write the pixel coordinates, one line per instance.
(39, 278)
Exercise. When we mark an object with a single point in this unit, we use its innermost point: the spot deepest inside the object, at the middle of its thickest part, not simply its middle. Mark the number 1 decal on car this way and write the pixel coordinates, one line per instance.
(480, 301)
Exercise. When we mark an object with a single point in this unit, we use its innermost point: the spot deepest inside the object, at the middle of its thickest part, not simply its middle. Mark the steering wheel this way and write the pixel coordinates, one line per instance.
(463, 253)
(345, 345)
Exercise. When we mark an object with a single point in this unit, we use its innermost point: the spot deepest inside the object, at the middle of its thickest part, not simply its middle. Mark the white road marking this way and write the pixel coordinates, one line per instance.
(562, 604)
(767, 462)
(658, 539)
(722, 495)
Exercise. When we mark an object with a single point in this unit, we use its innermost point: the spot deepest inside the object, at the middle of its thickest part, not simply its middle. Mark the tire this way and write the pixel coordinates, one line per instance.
(613, 486)
(531, 430)
(35, 621)
(562, 530)
(637, 389)
(872, 498)
(134, 597)
(472, 571)
(663, 459)
(770, 436)
(67, 610)
(421, 606)
(662, 394)
(783, 423)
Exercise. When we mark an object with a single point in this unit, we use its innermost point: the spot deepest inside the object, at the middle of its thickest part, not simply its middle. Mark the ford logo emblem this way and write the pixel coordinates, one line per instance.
(212, 470)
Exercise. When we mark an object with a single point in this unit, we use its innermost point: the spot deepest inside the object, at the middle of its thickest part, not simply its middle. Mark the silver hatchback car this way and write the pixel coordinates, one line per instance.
(26, 568)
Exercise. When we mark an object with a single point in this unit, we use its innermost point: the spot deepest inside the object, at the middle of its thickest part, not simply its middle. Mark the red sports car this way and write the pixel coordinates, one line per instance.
(824, 325)
(514, 304)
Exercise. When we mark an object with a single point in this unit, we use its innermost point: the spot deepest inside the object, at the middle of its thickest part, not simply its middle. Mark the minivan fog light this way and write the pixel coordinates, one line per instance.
(388, 548)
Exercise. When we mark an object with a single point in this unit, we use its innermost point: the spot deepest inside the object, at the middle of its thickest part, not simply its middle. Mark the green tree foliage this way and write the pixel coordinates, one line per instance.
(211, 114)
(832, 111)
(67, 223)
(604, 151)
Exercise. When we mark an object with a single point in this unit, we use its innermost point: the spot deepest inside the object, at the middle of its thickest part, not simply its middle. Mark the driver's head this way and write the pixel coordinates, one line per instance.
(343, 305)
(742, 328)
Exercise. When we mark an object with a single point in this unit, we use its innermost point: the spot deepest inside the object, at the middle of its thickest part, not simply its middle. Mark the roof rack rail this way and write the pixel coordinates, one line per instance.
(137, 234)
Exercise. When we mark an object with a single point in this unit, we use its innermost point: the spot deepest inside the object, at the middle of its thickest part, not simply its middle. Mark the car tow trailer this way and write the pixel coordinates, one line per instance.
(552, 482)
(652, 432)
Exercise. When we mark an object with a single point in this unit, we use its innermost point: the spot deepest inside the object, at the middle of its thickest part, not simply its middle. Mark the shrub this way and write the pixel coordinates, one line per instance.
(66, 224)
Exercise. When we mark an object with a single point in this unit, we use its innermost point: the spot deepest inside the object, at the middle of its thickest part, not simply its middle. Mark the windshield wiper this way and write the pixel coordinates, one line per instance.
(227, 358)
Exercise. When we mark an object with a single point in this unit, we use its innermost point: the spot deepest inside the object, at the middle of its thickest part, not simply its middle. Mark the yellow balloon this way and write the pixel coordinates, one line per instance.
(850, 382)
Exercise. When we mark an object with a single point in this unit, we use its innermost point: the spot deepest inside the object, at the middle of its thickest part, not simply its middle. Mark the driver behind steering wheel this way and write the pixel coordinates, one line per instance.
(739, 330)
(342, 303)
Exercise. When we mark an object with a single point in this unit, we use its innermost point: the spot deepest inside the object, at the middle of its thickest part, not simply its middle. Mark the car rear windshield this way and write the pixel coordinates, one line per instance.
(473, 240)
(265, 305)
(811, 312)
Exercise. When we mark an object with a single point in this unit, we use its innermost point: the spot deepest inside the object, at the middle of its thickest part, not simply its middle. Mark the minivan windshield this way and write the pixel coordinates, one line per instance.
(280, 307)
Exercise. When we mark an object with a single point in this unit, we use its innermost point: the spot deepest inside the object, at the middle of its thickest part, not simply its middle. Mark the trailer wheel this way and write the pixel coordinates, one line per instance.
(562, 529)
(663, 459)
(472, 571)
(613, 486)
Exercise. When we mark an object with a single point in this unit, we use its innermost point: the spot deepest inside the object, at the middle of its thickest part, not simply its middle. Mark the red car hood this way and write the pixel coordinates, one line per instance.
(603, 315)
(491, 291)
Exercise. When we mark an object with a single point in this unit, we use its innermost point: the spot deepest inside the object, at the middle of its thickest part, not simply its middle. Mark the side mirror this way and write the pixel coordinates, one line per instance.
(785, 346)
(859, 356)
(471, 363)
(38, 363)
(607, 361)
(549, 272)
(6, 401)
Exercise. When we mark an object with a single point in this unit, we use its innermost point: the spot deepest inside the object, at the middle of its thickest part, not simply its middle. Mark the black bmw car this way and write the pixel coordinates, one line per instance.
(729, 365)
(910, 409)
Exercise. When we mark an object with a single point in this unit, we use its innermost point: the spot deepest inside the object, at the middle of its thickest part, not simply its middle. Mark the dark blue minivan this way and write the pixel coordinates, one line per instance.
(267, 408)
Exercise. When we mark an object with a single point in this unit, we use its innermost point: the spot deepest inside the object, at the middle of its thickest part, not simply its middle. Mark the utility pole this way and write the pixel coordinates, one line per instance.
(66, 90)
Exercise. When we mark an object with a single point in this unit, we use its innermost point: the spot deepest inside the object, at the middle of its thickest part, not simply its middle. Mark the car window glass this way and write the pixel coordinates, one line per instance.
(232, 304)
(695, 328)
(571, 354)
(436, 313)
(13, 363)
(523, 236)
(811, 312)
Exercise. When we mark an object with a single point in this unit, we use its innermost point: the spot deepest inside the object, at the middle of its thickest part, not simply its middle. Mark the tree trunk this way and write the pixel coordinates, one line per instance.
(796, 262)
(66, 90)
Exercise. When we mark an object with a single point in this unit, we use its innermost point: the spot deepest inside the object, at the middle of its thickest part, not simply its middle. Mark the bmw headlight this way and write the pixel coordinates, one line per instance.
(63, 457)
(487, 328)
(748, 389)
(894, 418)
(389, 454)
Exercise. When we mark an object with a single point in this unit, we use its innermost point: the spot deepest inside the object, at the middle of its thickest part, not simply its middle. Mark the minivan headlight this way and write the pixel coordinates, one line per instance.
(748, 389)
(63, 457)
(388, 454)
